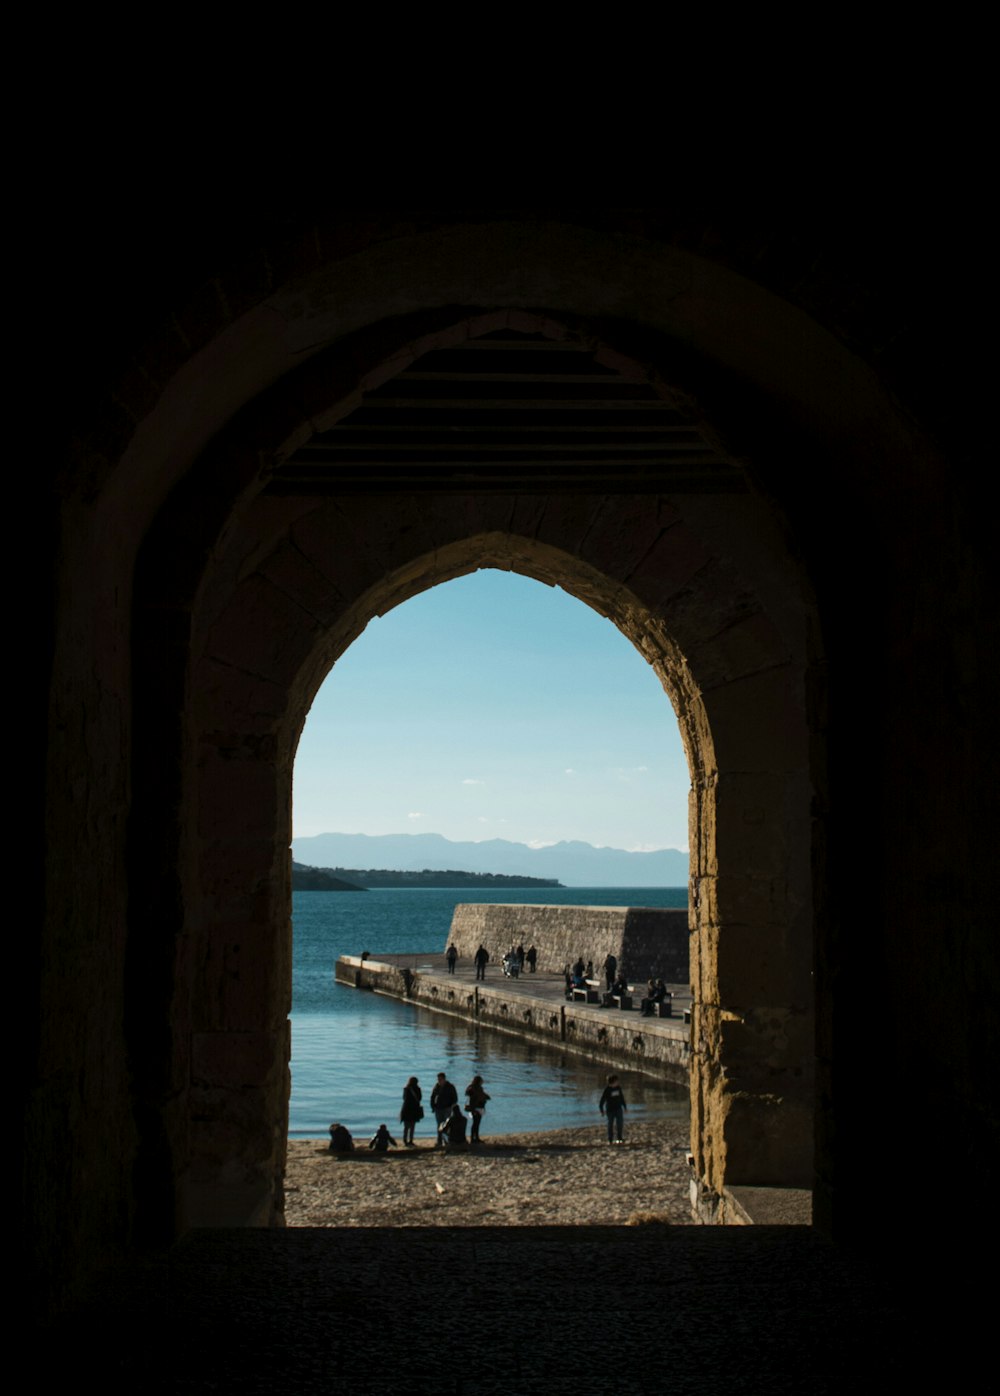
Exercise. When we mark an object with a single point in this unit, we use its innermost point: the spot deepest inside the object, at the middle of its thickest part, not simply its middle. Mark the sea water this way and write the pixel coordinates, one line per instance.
(353, 1052)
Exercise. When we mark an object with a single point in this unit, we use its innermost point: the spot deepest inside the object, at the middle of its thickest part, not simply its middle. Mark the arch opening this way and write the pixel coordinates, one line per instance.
(507, 717)
(705, 590)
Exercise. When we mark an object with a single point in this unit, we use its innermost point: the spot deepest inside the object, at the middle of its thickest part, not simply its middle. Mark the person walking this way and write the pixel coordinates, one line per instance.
(475, 1104)
(411, 1110)
(443, 1098)
(613, 1105)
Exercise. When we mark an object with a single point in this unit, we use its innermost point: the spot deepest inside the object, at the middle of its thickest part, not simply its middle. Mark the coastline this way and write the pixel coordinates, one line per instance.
(563, 1177)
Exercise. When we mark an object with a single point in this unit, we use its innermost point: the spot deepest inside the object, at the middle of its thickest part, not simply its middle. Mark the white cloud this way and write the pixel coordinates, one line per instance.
(541, 843)
(627, 773)
(569, 771)
(473, 782)
(416, 814)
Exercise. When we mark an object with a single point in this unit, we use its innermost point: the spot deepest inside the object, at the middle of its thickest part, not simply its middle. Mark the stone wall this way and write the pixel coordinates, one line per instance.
(646, 941)
(660, 1047)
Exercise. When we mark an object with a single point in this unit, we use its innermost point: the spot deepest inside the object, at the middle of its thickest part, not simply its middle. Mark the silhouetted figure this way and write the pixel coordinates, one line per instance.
(613, 1105)
(451, 956)
(444, 1098)
(610, 965)
(452, 1132)
(340, 1140)
(411, 1110)
(475, 1103)
(381, 1140)
(482, 959)
(532, 958)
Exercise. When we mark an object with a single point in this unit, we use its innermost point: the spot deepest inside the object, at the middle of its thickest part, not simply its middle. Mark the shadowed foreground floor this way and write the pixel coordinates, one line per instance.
(638, 1309)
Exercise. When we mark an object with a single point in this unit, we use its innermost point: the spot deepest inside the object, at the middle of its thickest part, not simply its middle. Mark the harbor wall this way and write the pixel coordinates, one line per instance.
(648, 942)
(659, 1047)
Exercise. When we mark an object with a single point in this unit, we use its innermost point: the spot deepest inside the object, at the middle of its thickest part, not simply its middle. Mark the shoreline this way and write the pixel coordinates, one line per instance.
(569, 1176)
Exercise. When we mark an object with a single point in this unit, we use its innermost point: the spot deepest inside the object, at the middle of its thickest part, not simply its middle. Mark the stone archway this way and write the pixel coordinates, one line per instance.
(829, 358)
(291, 582)
(254, 595)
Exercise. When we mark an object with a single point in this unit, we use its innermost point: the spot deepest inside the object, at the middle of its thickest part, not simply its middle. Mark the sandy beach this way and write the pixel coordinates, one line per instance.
(554, 1178)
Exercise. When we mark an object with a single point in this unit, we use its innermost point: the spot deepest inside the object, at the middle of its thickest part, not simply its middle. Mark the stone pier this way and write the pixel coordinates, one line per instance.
(532, 1006)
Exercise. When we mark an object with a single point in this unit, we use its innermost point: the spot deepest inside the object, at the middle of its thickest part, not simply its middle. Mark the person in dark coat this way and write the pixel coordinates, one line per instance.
(613, 1105)
(532, 957)
(610, 965)
(451, 955)
(443, 1098)
(482, 958)
(340, 1140)
(475, 1103)
(381, 1140)
(411, 1110)
(452, 1132)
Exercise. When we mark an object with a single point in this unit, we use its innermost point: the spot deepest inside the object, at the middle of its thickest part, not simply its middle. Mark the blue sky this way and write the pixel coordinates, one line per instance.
(494, 707)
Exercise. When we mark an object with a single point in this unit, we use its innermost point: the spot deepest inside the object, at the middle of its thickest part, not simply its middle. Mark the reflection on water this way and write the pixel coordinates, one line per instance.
(352, 1052)
(353, 1068)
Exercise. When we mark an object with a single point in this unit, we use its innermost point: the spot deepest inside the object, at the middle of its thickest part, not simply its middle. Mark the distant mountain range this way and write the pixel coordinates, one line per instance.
(575, 864)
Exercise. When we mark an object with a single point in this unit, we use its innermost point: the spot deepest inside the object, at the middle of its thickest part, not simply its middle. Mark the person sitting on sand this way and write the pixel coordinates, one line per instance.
(381, 1140)
(340, 1140)
(452, 1132)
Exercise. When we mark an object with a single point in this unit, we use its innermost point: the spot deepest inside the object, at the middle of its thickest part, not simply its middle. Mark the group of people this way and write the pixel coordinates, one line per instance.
(450, 1119)
(513, 962)
(451, 1122)
(515, 959)
(578, 975)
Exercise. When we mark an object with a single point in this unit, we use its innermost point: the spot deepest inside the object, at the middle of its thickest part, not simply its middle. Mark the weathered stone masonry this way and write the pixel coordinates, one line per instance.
(805, 573)
(657, 1046)
(646, 941)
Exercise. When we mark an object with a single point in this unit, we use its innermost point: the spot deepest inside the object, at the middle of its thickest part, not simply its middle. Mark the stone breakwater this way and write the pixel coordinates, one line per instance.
(646, 941)
(530, 1007)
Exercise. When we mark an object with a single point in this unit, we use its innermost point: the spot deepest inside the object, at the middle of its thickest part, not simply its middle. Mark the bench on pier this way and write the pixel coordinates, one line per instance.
(586, 994)
(617, 1000)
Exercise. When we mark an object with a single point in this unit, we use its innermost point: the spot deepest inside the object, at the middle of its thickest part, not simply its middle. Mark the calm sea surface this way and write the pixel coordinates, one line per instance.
(352, 1053)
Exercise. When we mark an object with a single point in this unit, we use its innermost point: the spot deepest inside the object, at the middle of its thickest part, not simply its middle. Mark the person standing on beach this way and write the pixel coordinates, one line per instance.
(411, 1110)
(443, 1098)
(482, 956)
(613, 1105)
(475, 1104)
